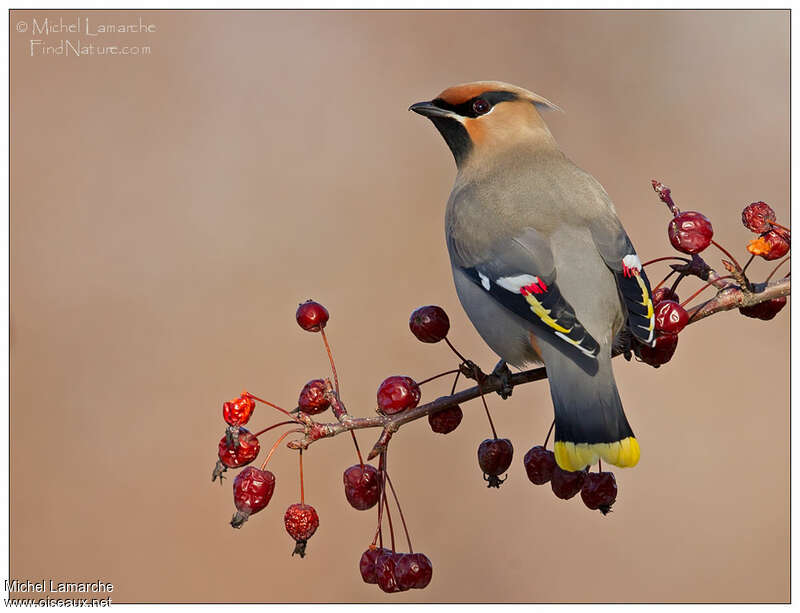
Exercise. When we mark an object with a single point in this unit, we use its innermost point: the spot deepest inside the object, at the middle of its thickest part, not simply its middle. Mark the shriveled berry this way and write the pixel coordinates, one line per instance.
(757, 217)
(362, 487)
(670, 317)
(237, 412)
(429, 324)
(398, 393)
(565, 484)
(413, 570)
(661, 352)
(764, 310)
(539, 464)
(252, 491)
(366, 565)
(771, 246)
(312, 398)
(664, 293)
(446, 420)
(312, 316)
(301, 521)
(494, 458)
(599, 491)
(690, 232)
(233, 455)
(385, 567)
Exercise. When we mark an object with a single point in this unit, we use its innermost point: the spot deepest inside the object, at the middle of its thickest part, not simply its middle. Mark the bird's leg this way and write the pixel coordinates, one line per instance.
(502, 371)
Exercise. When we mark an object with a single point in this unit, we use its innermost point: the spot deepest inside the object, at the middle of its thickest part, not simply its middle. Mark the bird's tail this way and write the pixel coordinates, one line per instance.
(590, 422)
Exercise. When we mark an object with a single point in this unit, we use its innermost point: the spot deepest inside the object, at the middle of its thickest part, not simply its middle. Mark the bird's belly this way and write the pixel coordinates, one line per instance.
(506, 334)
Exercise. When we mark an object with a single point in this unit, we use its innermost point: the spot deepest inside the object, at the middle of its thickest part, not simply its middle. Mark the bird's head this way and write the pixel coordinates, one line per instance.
(487, 116)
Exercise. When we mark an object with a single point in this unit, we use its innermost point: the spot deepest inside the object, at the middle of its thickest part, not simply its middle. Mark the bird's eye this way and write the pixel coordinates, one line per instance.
(480, 106)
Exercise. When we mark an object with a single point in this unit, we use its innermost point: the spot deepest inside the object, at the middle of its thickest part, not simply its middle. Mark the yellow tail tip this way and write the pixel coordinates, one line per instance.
(577, 456)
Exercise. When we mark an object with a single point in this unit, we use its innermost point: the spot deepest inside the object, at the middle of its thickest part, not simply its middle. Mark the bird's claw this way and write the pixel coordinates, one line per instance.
(502, 372)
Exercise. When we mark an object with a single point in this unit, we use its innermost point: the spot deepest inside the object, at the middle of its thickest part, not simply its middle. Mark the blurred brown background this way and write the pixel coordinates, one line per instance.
(169, 212)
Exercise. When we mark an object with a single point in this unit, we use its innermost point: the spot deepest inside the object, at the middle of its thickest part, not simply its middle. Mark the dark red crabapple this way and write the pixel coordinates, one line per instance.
(670, 317)
(232, 455)
(366, 565)
(301, 521)
(772, 245)
(690, 232)
(446, 420)
(429, 324)
(494, 458)
(756, 217)
(312, 398)
(539, 464)
(661, 353)
(362, 487)
(252, 491)
(565, 484)
(599, 491)
(312, 316)
(398, 393)
(237, 412)
(385, 567)
(413, 570)
(664, 293)
(764, 310)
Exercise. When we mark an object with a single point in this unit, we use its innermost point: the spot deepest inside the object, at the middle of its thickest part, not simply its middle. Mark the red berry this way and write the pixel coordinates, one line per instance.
(366, 565)
(301, 521)
(671, 317)
(772, 245)
(566, 484)
(233, 455)
(446, 420)
(664, 293)
(413, 570)
(237, 412)
(690, 232)
(764, 310)
(362, 488)
(494, 458)
(429, 324)
(756, 217)
(312, 316)
(539, 464)
(312, 398)
(661, 353)
(385, 567)
(599, 491)
(398, 393)
(252, 491)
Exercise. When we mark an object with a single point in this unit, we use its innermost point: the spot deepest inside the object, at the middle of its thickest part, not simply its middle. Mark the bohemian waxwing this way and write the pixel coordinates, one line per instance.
(541, 263)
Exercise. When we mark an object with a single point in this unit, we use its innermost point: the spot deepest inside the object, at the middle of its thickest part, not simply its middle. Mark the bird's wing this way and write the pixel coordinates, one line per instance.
(520, 275)
(615, 248)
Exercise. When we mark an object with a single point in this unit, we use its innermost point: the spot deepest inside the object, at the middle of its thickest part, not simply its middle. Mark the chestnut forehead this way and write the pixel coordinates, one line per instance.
(461, 93)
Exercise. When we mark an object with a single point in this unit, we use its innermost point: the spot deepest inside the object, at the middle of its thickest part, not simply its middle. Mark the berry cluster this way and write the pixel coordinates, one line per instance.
(395, 572)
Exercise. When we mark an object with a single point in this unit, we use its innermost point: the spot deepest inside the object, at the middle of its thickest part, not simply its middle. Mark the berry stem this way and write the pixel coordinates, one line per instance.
(752, 257)
(665, 279)
(777, 225)
(402, 517)
(389, 518)
(442, 374)
(330, 358)
(668, 257)
(358, 451)
(455, 381)
(278, 442)
(449, 344)
(379, 531)
(685, 302)
(483, 398)
(774, 270)
(274, 406)
(278, 425)
(302, 489)
(726, 252)
(549, 432)
(677, 282)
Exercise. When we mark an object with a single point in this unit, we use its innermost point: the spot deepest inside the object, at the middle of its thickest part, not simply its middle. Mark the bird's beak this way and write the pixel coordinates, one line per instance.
(428, 109)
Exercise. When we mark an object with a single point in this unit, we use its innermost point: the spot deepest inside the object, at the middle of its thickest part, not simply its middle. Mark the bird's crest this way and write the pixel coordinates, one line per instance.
(458, 94)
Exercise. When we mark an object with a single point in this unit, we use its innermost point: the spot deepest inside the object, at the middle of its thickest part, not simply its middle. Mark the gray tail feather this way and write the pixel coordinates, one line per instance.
(587, 406)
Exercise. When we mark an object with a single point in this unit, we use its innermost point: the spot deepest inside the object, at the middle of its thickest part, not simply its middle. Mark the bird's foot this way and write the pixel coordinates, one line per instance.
(502, 371)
